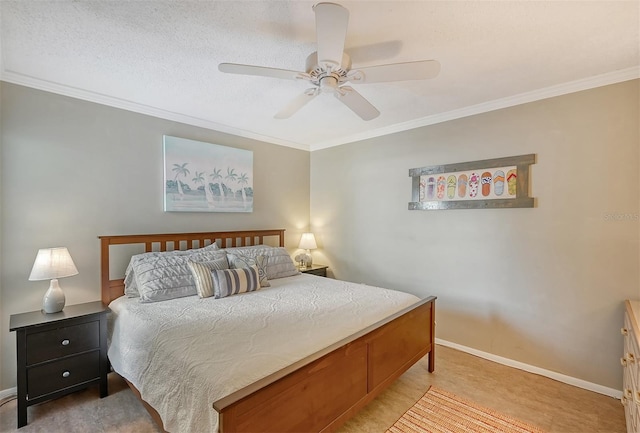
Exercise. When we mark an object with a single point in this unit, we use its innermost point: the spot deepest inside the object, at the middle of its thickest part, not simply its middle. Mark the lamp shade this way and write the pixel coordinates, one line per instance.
(52, 263)
(308, 242)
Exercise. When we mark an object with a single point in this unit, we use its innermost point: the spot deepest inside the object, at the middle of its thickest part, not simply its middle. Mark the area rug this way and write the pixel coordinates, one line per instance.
(440, 411)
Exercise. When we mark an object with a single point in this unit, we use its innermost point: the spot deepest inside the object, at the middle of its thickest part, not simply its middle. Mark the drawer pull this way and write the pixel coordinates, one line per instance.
(627, 393)
(623, 361)
(65, 342)
(623, 400)
(631, 357)
(624, 331)
(66, 374)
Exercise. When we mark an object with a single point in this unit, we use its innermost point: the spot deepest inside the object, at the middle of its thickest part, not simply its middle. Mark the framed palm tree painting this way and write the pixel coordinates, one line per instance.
(205, 177)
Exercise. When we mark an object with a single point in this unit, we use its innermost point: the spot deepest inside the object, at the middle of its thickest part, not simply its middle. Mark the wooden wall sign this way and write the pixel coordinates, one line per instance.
(490, 183)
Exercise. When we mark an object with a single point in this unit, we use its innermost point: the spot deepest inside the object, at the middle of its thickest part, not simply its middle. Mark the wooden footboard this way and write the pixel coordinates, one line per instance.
(322, 391)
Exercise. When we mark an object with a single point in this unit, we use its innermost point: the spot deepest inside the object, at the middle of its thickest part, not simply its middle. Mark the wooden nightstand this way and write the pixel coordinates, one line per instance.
(320, 270)
(60, 353)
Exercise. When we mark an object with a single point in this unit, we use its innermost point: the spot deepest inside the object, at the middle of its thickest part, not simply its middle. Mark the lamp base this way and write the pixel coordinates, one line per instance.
(306, 261)
(53, 301)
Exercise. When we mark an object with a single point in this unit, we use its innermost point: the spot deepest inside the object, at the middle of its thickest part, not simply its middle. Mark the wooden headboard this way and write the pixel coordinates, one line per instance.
(112, 289)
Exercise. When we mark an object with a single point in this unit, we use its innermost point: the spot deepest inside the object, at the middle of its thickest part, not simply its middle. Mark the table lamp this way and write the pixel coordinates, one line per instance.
(51, 264)
(307, 242)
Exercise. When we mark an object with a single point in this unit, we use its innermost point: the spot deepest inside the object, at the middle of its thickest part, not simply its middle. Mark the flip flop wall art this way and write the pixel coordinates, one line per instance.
(473, 185)
(462, 185)
(498, 182)
(485, 180)
(512, 177)
(441, 183)
(431, 187)
(451, 186)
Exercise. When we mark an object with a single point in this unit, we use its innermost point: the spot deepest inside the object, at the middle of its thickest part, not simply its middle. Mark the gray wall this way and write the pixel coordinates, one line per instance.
(73, 170)
(543, 286)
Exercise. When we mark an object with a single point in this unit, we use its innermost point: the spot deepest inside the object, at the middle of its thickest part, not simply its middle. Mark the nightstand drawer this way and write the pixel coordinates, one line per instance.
(319, 272)
(55, 343)
(61, 374)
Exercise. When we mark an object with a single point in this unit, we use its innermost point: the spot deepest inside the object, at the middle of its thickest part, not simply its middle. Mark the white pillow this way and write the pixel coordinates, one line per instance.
(160, 278)
(130, 282)
(279, 262)
(252, 249)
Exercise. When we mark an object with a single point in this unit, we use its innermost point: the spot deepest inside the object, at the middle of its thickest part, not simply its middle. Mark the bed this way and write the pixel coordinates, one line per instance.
(342, 368)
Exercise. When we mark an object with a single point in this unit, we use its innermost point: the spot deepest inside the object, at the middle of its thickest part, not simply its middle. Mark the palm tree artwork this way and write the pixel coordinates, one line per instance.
(215, 177)
(209, 189)
(230, 177)
(180, 170)
(200, 179)
(242, 181)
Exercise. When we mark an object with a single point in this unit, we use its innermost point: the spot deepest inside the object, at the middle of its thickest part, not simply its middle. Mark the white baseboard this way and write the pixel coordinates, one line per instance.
(533, 369)
(6, 393)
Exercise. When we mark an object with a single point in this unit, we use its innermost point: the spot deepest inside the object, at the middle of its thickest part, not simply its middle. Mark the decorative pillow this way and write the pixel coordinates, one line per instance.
(233, 281)
(245, 250)
(168, 276)
(238, 260)
(279, 263)
(130, 283)
(201, 272)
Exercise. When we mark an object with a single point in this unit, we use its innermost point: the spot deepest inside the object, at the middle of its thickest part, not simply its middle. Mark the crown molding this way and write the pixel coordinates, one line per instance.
(522, 98)
(497, 104)
(73, 92)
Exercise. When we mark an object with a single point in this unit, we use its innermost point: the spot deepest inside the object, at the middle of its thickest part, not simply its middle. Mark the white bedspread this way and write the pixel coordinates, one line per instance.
(186, 353)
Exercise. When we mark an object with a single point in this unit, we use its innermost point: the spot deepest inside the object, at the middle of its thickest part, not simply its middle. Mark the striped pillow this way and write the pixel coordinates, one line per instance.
(233, 281)
(201, 272)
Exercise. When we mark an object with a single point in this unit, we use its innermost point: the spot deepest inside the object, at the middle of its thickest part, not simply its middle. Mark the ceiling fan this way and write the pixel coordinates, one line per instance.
(329, 68)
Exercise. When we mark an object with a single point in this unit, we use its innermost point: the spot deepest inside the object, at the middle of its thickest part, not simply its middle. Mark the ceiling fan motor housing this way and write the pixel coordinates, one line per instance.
(328, 69)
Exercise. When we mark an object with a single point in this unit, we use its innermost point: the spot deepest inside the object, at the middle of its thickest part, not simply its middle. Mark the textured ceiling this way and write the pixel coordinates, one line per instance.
(161, 58)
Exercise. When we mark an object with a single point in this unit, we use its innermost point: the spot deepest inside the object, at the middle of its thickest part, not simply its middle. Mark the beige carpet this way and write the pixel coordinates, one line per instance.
(84, 412)
(439, 411)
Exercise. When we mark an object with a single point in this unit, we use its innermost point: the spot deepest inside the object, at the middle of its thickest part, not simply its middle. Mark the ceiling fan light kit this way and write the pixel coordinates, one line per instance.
(329, 68)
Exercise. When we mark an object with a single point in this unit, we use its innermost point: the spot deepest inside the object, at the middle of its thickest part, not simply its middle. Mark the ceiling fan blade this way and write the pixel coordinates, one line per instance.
(297, 103)
(356, 102)
(331, 31)
(421, 70)
(261, 71)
